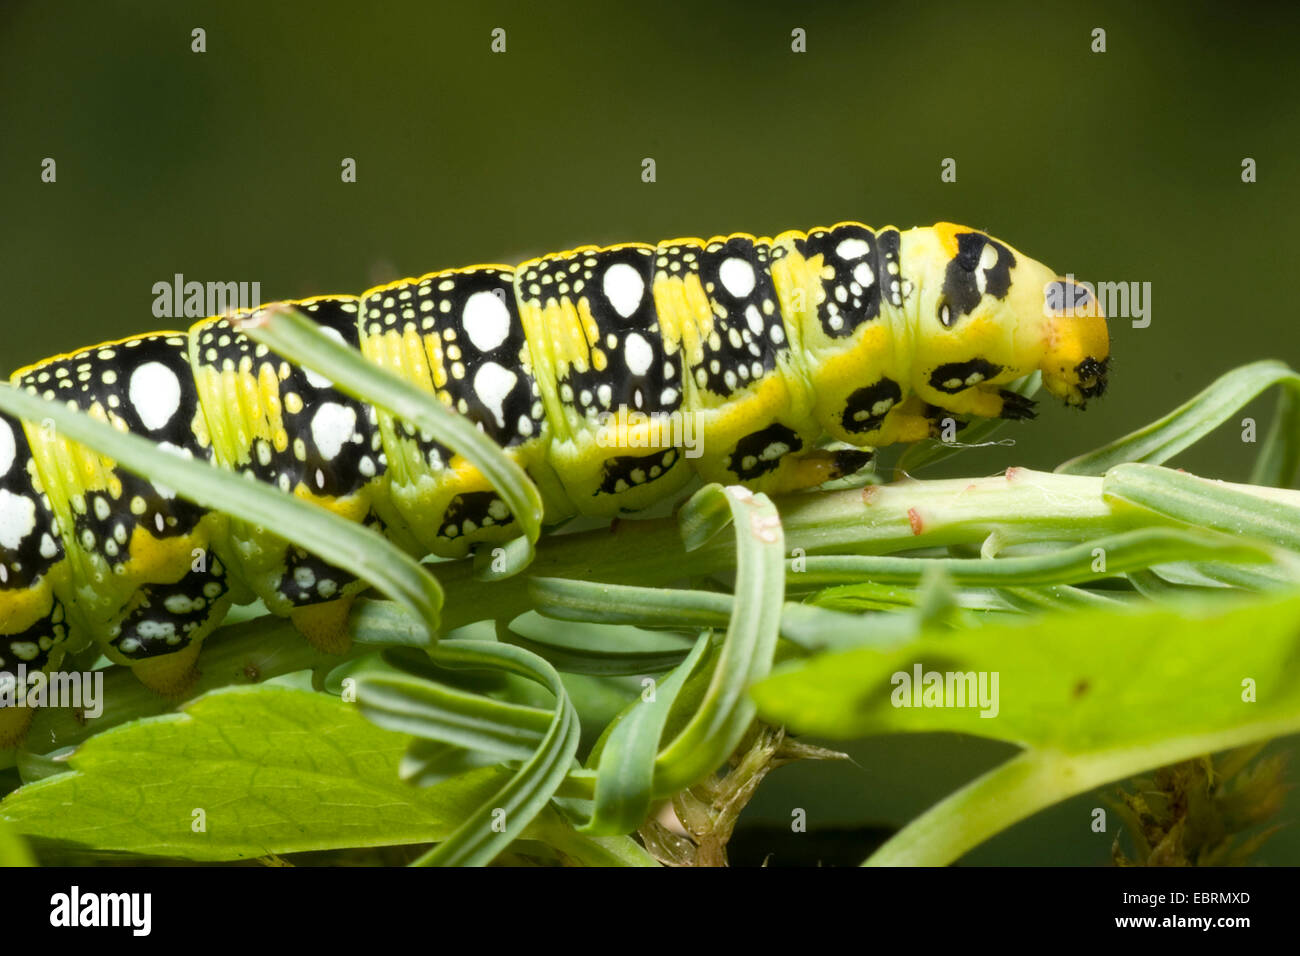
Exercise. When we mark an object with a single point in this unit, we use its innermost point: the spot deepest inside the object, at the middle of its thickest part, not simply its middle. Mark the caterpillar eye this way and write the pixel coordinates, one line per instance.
(946, 317)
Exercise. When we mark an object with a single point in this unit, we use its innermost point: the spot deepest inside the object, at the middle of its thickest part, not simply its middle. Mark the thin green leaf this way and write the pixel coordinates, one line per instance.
(1233, 509)
(625, 773)
(507, 814)
(1101, 557)
(422, 708)
(1193, 420)
(726, 711)
(597, 649)
(811, 628)
(701, 518)
(1278, 463)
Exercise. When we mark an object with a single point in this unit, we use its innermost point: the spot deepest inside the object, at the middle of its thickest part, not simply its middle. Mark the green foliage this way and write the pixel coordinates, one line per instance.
(1135, 617)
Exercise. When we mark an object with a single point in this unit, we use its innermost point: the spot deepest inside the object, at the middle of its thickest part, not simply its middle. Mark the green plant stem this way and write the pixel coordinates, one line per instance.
(1021, 506)
(1024, 505)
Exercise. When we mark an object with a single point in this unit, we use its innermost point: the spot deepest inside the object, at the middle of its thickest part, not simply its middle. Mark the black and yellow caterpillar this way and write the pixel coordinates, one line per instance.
(587, 367)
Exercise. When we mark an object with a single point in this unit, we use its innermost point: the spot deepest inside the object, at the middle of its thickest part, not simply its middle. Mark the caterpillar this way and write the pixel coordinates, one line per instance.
(771, 347)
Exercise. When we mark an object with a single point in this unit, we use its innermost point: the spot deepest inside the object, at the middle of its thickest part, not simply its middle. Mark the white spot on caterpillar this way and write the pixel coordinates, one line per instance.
(486, 320)
(155, 394)
(180, 604)
(166, 491)
(637, 353)
(8, 449)
(737, 277)
(332, 427)
(492, 383)
(624, 288)
(852, 249)
(17, 518)
(988, 259)
(316, 379)
(155, 629)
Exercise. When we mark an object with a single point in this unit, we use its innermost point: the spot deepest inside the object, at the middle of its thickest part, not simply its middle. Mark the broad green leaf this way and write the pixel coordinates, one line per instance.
(249, 652)
(13, 849)
(1094, 695)
(273, 770)
(1078, 682)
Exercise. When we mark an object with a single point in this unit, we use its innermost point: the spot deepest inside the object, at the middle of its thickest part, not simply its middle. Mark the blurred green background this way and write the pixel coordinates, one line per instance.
(1120, 166)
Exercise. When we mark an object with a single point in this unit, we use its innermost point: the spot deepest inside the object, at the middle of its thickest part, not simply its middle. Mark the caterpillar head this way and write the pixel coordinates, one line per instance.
(1077, 347)
(988, 314)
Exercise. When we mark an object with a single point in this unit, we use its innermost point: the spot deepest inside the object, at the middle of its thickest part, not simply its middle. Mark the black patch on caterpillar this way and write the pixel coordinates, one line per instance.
(850, 251)
(961, 293)
(300, 584)
(632, 470)
(153, 629)
(478, 508)
(895, 288)
(860, 413)
(755, 455)
(42, 547)
(744, 319)
(951, 377)
(46, 634)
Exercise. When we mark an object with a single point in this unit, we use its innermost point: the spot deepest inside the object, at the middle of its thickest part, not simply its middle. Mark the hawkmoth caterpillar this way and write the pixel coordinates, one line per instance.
(770, 345)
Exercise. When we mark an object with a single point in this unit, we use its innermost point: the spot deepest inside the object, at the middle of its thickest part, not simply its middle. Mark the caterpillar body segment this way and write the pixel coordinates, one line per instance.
(141, 574)
(288, 426)
(34, 620)
(458, 334)
(613, 376)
